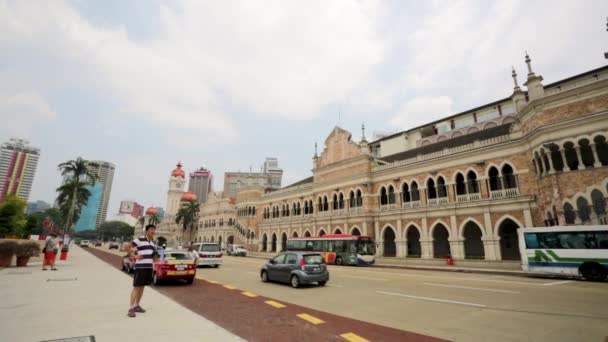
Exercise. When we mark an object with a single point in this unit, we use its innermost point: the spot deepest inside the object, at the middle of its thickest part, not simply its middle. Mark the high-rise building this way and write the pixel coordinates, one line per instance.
(89, 214)
(131, 208)
(200, 183)
(38, 206)
(160, 213)
(95, 212)
(270, 177)
(18, 162)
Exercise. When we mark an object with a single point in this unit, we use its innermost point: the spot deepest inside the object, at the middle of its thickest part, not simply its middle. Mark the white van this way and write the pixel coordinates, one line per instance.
(209, 254)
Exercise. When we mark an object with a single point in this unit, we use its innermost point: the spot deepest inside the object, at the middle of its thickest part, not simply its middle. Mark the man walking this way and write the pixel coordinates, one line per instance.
(146, 252)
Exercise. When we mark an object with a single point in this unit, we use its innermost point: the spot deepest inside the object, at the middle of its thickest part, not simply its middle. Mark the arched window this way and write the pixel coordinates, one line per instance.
(599, 206)
(571, 157)
(495, 183)
(545, 160)
(569, 214)
(341, 201)
(472, 184)
(461, 188)
(584, 212)
(325, 204)
(391, 195)
(359, 199)
(586, 153)
(508, 177)
(601, 148)
(383, 196)
(334, 204)
(415, 192)
(442, 190)
(556, 158)
(541, 168)
(320, 205)
(405, 193)
(430, 189)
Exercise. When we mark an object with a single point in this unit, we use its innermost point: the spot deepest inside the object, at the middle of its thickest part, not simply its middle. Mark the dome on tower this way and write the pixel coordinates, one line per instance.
(151, 211)
(188, 197)
(178, 172)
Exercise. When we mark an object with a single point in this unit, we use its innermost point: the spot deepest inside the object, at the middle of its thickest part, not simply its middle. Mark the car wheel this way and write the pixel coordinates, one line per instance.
(339, 261)
(593, 272)
(190, 281)
(295, 281)
(216, 265)
(155, 279)
(322, 283)
(264, 276)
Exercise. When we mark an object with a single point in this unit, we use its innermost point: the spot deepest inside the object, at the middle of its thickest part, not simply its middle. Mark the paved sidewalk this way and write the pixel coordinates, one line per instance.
(88, 297)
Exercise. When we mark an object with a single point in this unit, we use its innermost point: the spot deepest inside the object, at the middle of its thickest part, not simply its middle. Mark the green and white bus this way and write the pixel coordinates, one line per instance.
(568, 250)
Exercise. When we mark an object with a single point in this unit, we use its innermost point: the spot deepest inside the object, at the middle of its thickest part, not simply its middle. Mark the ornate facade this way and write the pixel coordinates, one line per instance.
(460, 186)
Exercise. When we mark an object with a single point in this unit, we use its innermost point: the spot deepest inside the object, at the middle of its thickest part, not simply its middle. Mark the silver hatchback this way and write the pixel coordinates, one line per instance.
(296, 268)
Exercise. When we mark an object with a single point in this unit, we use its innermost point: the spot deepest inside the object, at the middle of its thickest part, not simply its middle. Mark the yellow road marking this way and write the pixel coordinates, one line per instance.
(230, 287)
(249, 294)
(354, 337)
(199, 277)
(311, 319)
(214, 282)
(275, 304)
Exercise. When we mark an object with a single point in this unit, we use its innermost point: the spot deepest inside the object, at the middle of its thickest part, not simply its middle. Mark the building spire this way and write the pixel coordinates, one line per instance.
(316, 155)
(529, 62)
(362, 131)
(514, 75)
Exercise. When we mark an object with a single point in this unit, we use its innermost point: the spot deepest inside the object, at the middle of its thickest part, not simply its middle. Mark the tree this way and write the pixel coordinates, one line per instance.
(73, 194)
(187, 215)
(116, 229)
(12, 216)
(153, 219)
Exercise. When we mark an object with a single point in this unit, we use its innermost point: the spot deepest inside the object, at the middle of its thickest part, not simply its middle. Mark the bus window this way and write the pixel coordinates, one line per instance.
(319, 246)
(309, 246)
(330, 246)
(601, 239)
(531, 241)
(340, 246)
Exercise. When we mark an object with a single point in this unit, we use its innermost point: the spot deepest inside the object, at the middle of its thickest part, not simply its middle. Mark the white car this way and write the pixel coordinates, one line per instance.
(209, 254)
(84, 243)
(237, 250)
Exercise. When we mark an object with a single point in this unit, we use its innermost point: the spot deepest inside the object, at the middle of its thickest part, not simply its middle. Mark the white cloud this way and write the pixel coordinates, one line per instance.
(421, 110)
(23, 110)
(281, 60)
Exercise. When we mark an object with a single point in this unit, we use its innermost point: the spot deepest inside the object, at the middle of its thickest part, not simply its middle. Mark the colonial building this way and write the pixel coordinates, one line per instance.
(217, 221)
(460, 186)
(167, 230)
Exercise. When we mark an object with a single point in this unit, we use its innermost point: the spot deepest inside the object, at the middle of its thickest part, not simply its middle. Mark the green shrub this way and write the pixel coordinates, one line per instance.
(28, 249)
(7, 247)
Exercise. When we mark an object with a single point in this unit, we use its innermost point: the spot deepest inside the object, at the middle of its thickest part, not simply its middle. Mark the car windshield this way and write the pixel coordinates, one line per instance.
(210, 248)
(313, 259)
(366, 247)
(178, 256)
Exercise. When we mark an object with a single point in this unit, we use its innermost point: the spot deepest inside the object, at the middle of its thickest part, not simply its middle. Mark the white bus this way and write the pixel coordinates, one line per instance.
(568, 250)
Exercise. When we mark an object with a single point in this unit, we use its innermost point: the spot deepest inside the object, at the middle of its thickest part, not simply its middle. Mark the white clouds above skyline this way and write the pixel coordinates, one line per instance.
(216, 82)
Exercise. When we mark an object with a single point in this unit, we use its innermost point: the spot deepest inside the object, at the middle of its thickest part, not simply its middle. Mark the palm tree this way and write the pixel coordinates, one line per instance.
(187, 215)
(153, 219)
(73, 194)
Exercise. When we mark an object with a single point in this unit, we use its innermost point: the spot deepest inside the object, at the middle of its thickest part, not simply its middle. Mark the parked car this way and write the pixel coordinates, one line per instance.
(128, 263)
(237, 250)
(114, 245)
(84, 243)
(174, 264)
(296, 268)
(97, 243)
(209, 254)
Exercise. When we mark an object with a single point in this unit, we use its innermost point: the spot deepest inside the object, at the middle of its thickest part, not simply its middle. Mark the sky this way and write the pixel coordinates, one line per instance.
(146, 83)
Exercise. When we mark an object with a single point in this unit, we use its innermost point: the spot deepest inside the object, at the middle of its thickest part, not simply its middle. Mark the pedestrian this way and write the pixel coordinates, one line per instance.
(146, 253)
(50, 253)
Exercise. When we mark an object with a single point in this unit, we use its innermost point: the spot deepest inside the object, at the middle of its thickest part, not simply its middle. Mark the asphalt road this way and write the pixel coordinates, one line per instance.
(461, 307)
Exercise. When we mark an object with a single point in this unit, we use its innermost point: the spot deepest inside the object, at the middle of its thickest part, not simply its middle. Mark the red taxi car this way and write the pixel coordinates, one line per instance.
(173, 265)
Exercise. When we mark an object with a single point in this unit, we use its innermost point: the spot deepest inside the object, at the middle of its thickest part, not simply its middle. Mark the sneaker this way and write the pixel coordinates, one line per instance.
(139, 309)
(44, 269)
(53, 269)
(131, 313)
